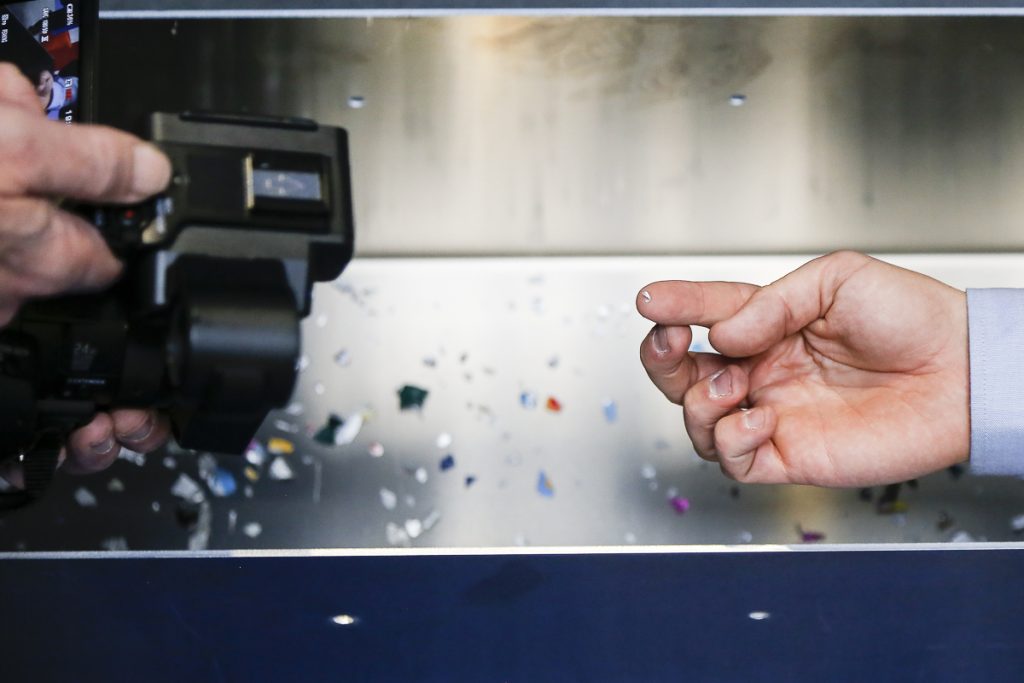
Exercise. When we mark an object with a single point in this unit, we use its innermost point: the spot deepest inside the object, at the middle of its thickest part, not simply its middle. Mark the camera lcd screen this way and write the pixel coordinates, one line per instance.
(273, 184)
(43, 39)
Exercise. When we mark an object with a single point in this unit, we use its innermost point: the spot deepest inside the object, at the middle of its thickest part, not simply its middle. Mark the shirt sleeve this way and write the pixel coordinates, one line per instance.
(995, 322)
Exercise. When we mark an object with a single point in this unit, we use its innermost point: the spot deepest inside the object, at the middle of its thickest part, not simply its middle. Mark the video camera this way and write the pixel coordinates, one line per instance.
(204, 323)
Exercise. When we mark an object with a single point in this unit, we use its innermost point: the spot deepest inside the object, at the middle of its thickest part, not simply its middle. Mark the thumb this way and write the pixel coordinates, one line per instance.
(786, 306)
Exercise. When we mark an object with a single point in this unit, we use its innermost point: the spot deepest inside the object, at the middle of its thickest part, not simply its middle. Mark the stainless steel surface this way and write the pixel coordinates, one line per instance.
(494, 135)
(477, 333)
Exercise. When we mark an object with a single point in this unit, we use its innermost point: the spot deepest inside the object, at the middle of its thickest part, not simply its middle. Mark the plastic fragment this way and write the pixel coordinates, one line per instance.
(553, 405)
(343, 358)
(280, 470)
(326, 434)
(255, 454)
(646, 296)
(115, 544)
(544, 485)
(319, 389)
(207, 465)
(553, 362)
(286, 426)
(348, 432)
(252, 529)
(279, 446)
(411, 396)
(410, 500)
(388, 499)
(945, 522)
(421, 475)
(295, 409)
(962, 537)
(889, 502)
(679, 504)
(396, 535)
(611, 410)
(431, 520)
(470, 480)
(252, 474)
(232, 520)
(444, 440)
(647, 471)
(629, 538)
(447, 462)
(186, 488)
(809, 536)
(170, 463)
(134, 457)
(221, 482)
(85, 497)
(376, 449)
(302, 363)
(413, 527)
(248, 491)
(155, 506)
(746, 537)
(1017, 523)
(430, 362)
(115, 485)
(528, 400)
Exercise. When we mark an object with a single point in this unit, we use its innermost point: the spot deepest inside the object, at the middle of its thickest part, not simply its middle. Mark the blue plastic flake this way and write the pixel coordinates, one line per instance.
(447, 462)
(222, 483)
(528, 400)
(544, 485)
(470, 480)
(611, 411)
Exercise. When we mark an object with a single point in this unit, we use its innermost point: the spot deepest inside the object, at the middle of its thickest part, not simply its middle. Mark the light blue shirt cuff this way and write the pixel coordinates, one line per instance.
(995, 322)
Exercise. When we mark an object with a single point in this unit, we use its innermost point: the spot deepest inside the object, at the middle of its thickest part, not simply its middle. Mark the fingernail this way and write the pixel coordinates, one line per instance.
(152, 171)
(646, 296)
(660, 339)
(721, 383)
(103, 447)
(140, 434)
(753, 418)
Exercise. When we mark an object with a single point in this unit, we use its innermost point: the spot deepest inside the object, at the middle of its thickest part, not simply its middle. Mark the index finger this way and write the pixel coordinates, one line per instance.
(92, 163)
(681, 302)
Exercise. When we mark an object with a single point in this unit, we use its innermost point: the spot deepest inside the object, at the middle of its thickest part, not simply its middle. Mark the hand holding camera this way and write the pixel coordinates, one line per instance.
(45, 250)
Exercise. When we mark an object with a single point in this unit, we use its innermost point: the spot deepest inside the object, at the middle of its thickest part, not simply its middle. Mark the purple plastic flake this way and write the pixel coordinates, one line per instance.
(810, 536)
(679, 504)
(447, 462)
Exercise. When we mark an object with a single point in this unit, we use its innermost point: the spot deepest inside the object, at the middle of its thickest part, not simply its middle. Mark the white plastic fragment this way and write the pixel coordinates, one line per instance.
(247, 492)
(421, 475)
(186, 488)
(388, 499)
(413, 527)
(115, 543)
(170, 463)
(348, 432)
(431, 520)
(155, 506)
(396, 535)
(232, 520)
(133, 457)
(444, 440)
(85, 498)
(286, 426)
(647, 471)
(280, 470)
(962, 536)
(295, 409)
(252, 529)
(377, 449)
(199, 539)
(1017, 523)
(255, 454)
(115, 485)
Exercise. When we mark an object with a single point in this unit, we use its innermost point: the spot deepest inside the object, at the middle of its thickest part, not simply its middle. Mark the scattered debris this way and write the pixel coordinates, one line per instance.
(388, 499)
(376, 449)
(115, 485)
(611, 411)
(807, 536)
(447, 462)
(421, 475)
(279, 446)
(280, 470)
(553, 405)
(115, 544)
(945, 522)
(252, 529)
(411, 396)
(255, 454)
(343, 358)
(326, 434)
(470, 480)
(221, 482)
(444, 440)
(186, 488)
(528, 400)
(134, 457)
(544, 485)
(85, 497)
(679, 504)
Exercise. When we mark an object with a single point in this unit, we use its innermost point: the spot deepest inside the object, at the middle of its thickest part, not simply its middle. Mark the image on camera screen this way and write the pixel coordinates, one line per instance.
(42, 39)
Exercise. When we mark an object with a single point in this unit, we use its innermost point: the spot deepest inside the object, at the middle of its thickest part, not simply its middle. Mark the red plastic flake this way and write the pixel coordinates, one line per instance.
(553, 405)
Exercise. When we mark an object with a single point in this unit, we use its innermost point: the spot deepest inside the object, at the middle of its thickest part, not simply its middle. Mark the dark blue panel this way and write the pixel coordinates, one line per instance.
(953, 615)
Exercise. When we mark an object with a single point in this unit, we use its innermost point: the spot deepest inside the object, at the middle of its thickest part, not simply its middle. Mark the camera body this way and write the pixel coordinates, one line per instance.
(204, 323)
